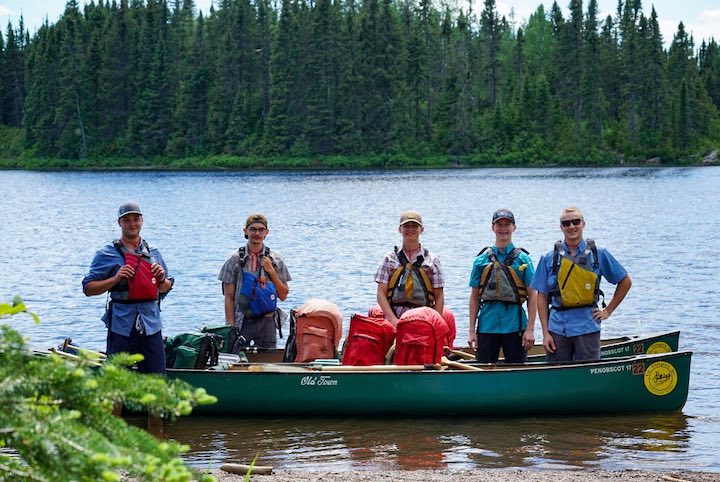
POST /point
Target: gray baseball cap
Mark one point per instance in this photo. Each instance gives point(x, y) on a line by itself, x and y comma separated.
point(129, 208)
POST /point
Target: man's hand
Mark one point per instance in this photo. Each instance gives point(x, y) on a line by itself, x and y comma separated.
point(472, 341)
point(549, 343)
point(158, 272)
point(267, 265)
point(528, 339)
point(125, 272)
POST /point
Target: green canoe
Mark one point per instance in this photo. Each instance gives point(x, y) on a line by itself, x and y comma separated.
point(642, 383)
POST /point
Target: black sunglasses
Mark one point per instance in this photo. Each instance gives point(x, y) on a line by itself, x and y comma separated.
point(574, 222)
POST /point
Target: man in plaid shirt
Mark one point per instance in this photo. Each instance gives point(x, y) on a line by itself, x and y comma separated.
point(420, 284)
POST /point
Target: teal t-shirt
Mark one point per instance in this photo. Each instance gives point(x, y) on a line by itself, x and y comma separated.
point(497, 316)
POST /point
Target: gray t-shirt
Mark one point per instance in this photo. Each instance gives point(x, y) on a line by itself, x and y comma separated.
point(230, 274)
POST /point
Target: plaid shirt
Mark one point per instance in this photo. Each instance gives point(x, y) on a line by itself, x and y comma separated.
point(431, 265)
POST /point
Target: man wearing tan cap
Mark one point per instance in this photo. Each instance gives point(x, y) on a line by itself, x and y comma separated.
point(410, 276)
point(253, 278)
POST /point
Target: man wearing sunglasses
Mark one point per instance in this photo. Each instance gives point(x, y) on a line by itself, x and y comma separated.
point(567, 281)
point(253, 278)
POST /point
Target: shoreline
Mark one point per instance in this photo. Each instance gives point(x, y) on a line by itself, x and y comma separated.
point(475, 475)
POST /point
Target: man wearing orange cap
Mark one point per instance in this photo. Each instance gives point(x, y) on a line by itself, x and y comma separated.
point(253, 278)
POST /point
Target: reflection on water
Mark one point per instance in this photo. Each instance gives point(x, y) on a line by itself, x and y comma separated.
point(613, 443)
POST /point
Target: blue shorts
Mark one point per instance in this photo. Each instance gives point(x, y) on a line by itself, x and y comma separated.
point(152, 347)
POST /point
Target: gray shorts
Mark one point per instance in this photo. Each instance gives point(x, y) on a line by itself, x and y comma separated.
point(575, 348)
point(260, 331)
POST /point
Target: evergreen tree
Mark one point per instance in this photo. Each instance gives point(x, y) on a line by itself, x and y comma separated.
point(323, 61)
point(12, 78)
point(490, 40)
point(190, 118)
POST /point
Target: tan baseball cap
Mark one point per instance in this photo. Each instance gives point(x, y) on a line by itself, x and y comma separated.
point(410, 217)
point(256, 218)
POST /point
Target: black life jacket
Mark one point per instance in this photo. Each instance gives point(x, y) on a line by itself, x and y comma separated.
point(142, 286)
point(410, 285)
point(577, 282)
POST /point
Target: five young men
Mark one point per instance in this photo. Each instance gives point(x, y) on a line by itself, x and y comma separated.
point(564, 291)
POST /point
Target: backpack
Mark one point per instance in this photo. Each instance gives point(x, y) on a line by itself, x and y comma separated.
point(421, 335)
point(192, 350)
point(232, 341)
point(315, 331)
point(368, 340)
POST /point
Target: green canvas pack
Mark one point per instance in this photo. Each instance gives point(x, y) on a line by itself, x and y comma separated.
point(232, 341)
point(192, 350)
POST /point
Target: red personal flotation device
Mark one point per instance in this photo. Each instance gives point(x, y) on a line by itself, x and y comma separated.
point(142, 286)
point(421, 335)
point(368, 341)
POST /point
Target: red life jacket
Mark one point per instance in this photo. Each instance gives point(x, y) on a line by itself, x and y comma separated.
point(421, 335)
point(368, 341)
point(143, 286)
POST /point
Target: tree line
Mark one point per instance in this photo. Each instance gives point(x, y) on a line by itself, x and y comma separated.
point(151, 78)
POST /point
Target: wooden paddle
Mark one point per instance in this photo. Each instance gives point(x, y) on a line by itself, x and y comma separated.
point(70, 356)
point(271, 368)
point(462, 366)
point(461, 354)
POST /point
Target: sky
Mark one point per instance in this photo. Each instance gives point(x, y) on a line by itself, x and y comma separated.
point(699, 16)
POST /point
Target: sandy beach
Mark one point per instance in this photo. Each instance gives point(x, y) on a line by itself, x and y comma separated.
point(480, 475)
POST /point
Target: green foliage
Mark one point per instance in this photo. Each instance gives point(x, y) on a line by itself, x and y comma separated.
point(277, 84)
point(57, 419)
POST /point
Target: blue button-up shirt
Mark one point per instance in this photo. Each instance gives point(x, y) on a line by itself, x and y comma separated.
point(498, 316)
point(105, 264)
point(575, 321)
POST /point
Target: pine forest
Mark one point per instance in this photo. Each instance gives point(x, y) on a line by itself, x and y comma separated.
point(394, 80)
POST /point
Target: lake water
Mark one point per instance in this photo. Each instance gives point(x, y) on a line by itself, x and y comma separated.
point(333, 229)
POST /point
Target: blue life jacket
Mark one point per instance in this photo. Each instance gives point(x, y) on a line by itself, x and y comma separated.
point(258, 294)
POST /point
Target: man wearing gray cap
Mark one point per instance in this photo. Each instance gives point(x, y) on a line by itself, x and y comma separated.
point(135, 275)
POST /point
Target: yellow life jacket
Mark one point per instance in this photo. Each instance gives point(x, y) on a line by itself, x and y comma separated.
point(410, 285)
point(500, 281)
point(577, 284)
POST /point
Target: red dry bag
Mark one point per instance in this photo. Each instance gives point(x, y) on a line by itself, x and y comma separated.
point(368, 341)
point(421, 335)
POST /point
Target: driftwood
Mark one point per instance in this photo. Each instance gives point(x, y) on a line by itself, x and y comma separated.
point(243, 469)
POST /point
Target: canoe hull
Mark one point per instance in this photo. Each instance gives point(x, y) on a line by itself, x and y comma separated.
point(646, 383)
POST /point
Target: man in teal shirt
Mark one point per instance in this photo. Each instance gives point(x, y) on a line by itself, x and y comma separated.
point(499, 284)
